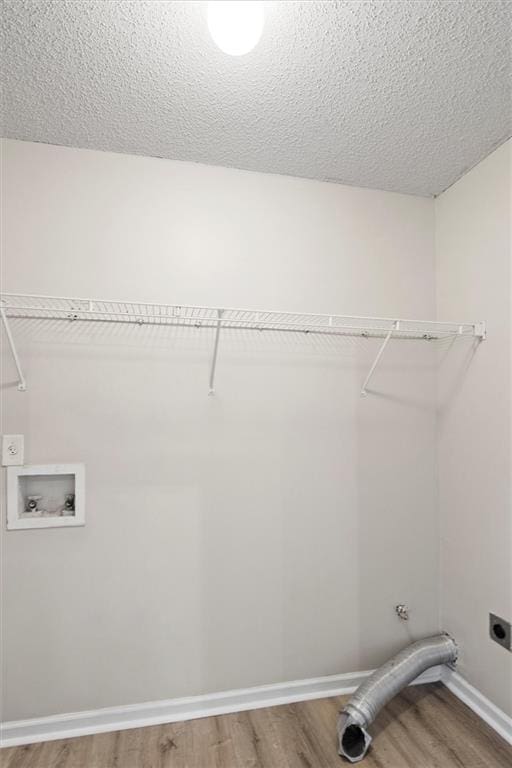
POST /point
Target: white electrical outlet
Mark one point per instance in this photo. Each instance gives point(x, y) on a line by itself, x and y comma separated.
point(12, 450)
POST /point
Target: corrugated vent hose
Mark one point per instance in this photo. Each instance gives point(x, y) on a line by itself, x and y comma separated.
point(365, 704)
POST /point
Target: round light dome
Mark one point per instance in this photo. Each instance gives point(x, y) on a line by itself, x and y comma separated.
point(236, 26)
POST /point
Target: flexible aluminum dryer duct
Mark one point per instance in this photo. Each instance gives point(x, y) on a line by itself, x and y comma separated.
point(383, 685)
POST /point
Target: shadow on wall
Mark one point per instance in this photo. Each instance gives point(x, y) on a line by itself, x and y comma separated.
point(277, 520)
point(398, 517)
point(458, 353)
point(397, 523)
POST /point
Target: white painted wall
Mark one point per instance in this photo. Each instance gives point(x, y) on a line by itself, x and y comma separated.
point(473, 246)
point(259, 536)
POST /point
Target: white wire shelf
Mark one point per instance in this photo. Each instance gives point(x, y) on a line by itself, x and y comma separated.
point(100, 310)
point(38, 307)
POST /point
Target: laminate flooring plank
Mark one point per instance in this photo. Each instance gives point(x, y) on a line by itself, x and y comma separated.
point(426, 726)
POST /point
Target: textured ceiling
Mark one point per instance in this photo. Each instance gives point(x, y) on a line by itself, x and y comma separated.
point(403, 96)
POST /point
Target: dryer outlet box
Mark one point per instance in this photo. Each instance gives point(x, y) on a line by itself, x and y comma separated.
point(500, 631)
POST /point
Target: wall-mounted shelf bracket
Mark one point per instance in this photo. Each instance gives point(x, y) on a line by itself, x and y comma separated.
point(21, 379)
point(480, 331)
point(395, 327)
point(213, 366)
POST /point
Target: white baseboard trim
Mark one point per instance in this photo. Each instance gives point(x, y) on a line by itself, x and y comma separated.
point(476, 701)
point(66, 726)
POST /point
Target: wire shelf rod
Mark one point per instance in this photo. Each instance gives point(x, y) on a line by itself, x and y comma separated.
point(75, 313)
point(327, 318)
point(404, 334)
point(42, 307)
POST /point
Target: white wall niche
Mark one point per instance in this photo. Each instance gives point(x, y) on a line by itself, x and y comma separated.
point(45, 496)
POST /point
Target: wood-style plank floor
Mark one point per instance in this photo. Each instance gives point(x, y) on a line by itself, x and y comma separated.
point(423, 727)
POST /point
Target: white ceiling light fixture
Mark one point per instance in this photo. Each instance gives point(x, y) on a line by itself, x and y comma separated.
point(235, 25)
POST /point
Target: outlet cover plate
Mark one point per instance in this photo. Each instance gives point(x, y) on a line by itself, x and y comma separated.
point(12, 450)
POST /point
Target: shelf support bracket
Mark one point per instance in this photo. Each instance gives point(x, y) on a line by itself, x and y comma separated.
point(364, 388)
point(213, 366)
point(22, 385)
point(480, 331)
